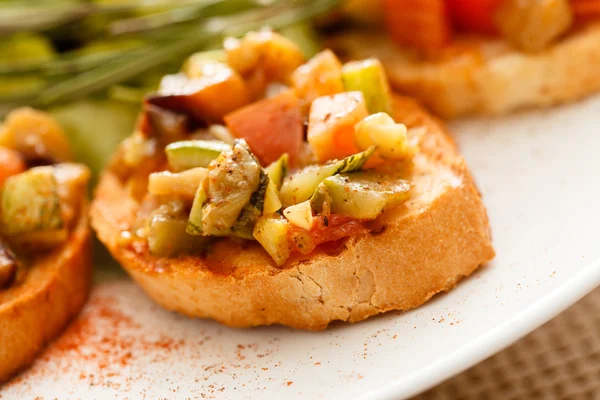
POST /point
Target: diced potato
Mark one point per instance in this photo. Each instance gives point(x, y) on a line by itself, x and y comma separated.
point(272, 199)
point(36, 135)
point(271, 127)
point(532, 25)
point(11, 163)
point(389, 137)
point(183, 184)
point(300, 215)
point(272, 233)
point(216, 91)
point(331, 125)
point(268, 51)
point(320, 76)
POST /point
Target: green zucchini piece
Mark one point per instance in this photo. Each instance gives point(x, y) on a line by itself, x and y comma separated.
point(278, 170)
point(30, 209)
point(253, 210)
point(190, 154)
point(194, 225)
point(233, 179)
point(167, 236)
point(300, 186)
point(272, 233)
point(360, 195)
point(368, 76)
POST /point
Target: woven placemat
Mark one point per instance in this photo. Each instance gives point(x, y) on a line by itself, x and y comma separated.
point(560, 360)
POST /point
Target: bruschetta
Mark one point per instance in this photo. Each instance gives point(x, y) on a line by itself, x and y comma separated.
point(45, 264)
point(260, 189)
point(462, 57)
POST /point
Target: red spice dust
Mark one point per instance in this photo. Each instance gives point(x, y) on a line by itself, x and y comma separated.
point(289, 383)
point(96, 338)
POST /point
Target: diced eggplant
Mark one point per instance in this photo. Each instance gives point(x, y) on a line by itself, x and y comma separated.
point(233, 178)
point(209, 97)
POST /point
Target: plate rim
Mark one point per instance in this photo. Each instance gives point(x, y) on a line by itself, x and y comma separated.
point(493, 341)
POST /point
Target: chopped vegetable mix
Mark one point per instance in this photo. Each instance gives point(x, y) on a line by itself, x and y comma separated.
point(40, 191)
point(285, 167)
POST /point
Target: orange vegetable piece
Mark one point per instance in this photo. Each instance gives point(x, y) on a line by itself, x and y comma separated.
point(208, 97)
point(424, 24)
point(331, 125)
point(271, 127)
point(11, 163)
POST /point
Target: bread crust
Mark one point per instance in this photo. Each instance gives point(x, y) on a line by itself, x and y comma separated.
point(478, 75)
point(55, 288)
point(415, 251)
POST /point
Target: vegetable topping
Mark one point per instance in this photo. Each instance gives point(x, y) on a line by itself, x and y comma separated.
point(39, 205)
point(293, 169)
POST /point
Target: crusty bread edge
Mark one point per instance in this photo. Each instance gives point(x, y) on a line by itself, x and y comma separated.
point(54, 291)
point(428, 252)
point(469, 85)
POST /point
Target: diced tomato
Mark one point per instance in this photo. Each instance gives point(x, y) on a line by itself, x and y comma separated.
point(585, 9)
point(424, 24)
point(11, 163)
point(475, 15)
point(271, 127)
point(331, 125)
point(326, 229)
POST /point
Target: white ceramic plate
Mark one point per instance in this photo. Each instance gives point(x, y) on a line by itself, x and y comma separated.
point(540, 176)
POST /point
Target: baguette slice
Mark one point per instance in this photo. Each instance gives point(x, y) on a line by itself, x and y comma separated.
point(417, 250)
point(478, 75)
point(35, 311)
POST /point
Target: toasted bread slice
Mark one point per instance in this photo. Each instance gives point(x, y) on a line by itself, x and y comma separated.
point(424, 247)
point(477, 75)
point(33, 312)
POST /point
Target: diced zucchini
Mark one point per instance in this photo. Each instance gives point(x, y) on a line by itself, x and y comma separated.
point(300, 186)
point(190, 154)
point(278, 170)
point(360, 195)
point(300, 215)
point(183, 183)
point(193, 67)
point(167, 236)
point(233, 179)
point(194, 226)
point(30, 209)
point(272, 199)
point(368, 76)
point(272, 233)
